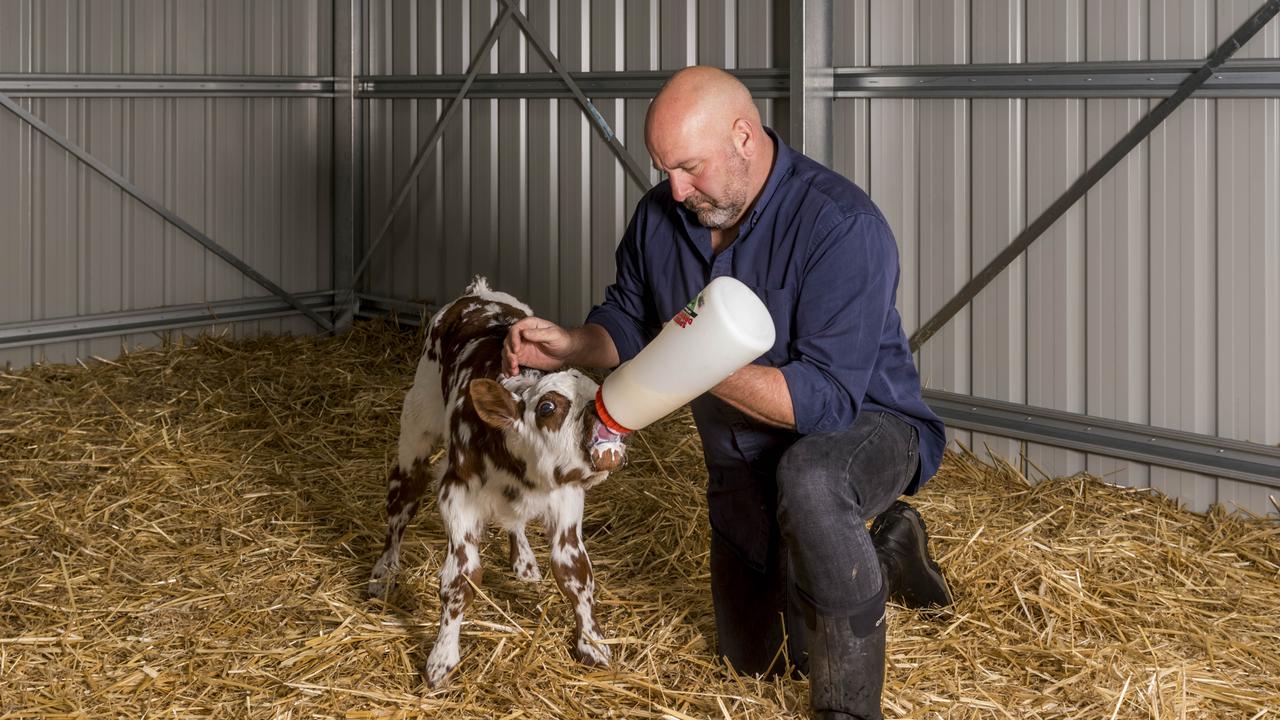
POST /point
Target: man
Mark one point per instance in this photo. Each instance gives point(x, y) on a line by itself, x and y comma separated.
point(823, 432)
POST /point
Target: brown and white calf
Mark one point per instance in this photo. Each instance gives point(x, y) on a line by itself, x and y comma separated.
point(517, 448)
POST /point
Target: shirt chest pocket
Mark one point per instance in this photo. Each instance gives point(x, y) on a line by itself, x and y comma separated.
point(781, 305)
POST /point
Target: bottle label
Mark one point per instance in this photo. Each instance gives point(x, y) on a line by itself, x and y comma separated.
point(685, 317)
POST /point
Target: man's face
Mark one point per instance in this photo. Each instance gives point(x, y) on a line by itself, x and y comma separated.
point(712, 182)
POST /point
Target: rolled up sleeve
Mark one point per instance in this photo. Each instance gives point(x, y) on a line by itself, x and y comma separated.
point(846, 297)
point(625, 314)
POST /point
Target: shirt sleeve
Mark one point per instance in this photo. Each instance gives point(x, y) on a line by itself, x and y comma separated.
point(846, 296)
point(624, 313)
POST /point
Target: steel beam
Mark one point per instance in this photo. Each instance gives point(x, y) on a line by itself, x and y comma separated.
point(1129, 79)
point(637, 84)
point(200, 86)
point(1219, 457)
point(407, 312)
point(85, 327)
point(159, 209)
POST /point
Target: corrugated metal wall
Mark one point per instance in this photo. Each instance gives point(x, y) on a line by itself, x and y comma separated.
point(252, 173)
point(525, 191)
point(1155, 300)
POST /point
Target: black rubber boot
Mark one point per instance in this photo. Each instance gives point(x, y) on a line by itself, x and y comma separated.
point(846, 672)
point(902, 545)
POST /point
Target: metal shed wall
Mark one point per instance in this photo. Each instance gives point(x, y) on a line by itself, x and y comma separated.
point(252, 173)
point(523, 190)
point(1155, 300)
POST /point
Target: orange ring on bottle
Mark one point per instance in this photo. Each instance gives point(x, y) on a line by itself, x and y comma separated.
point(605, 417)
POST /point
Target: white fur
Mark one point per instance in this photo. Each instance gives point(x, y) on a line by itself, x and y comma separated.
point(473, 503)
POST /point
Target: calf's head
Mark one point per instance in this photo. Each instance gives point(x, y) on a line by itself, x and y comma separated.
point(551, 420)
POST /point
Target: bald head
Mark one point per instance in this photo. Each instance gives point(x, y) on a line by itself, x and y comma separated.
point(703, 98)
point(704, 131)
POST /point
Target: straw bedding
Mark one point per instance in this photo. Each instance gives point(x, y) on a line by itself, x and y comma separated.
point(186, 532)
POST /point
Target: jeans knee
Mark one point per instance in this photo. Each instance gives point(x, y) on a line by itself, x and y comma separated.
point(808, 488)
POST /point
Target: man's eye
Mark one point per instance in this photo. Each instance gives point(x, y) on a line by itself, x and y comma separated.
point(545, 408)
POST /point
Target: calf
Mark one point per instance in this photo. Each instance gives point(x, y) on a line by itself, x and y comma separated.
point(516, 449)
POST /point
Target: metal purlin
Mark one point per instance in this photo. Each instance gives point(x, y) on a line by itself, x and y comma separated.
point(119, 180)
point(510, 10)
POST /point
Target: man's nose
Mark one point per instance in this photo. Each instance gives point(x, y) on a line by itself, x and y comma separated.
point(680, 189)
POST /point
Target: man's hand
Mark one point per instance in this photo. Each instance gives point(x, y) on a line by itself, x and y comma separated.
point(536, 343)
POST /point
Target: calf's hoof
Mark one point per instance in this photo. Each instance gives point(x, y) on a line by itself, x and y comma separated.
point(594, 654)
point(439, 666)
point(527, 571)
point(378, 588)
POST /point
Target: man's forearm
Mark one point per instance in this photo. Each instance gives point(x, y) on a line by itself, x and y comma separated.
point(592, 347)
point(760, 392)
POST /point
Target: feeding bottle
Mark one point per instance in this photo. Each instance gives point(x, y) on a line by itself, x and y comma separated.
point(722, 329)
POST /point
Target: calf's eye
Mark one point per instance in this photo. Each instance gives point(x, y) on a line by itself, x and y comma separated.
point(545, 408)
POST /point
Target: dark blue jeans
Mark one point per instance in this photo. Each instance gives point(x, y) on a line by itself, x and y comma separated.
point(810, 530)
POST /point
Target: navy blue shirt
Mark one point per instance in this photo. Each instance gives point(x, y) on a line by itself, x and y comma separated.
point(821, 256)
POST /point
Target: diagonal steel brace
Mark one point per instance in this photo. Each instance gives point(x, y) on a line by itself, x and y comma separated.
point(510, 10)
point(420, 162)
point(1096, 172)
point(637, 173)
point(119, 180)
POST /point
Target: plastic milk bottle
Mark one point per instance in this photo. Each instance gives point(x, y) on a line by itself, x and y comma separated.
point(722, 329)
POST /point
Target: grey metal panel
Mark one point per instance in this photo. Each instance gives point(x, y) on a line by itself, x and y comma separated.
point(894, 151)
point(1249, 270)
point(677, 34)
point(1055, 264)
point(513, 171)
point(944, 188)
point(576, 294)
point(543, 175)
point(850, 33)
point(1248, 264)
point(998, 177)
point(16, 273)
point(755, 30)
point(608, 205)
point(716, 43)
point(154, 36)
point(641, 53)
point(1116, 248)
point(754, 43)
point(1183, 371)
point(229, 166)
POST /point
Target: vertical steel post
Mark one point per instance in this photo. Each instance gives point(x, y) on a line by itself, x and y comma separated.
point(348, 139)
point(807, 50)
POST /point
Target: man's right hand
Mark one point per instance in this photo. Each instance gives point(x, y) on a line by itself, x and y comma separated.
point(536, 343)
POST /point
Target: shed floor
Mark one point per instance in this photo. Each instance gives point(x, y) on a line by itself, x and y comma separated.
point(186, 532)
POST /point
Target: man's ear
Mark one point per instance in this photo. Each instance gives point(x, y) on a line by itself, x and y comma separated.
point(744, 138)
point(493, 403)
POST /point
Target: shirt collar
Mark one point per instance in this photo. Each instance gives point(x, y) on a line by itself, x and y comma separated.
point(783, 163)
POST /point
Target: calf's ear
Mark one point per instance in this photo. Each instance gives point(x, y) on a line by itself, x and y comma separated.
point(493, 403)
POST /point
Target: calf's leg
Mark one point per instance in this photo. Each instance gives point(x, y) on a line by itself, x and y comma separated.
point(572, 569)
point(421, 428)
point(523, 563)
point(463, 525)
point(404, 497)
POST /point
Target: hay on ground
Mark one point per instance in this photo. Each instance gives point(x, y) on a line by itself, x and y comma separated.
point(186, 532)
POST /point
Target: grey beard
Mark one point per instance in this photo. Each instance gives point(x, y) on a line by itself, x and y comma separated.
point(717, 217)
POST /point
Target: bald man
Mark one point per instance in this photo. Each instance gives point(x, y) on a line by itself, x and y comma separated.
point(824, 432)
